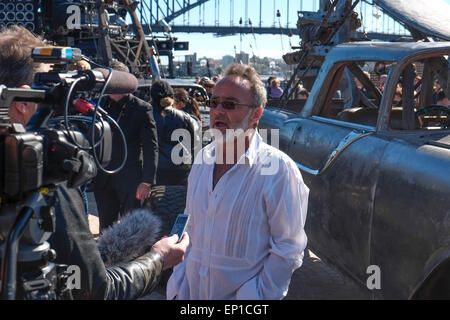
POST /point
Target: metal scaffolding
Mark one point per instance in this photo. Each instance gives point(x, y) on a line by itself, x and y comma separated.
point(252, 17)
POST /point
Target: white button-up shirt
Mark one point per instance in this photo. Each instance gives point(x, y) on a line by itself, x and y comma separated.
point(247, 234)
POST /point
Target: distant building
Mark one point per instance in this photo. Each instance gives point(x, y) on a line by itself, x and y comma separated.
point(191, 58)
point(227, 60)
point(242, 58)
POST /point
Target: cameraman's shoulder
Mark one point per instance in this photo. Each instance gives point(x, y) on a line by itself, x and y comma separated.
point(62, 191)
point(144, 105)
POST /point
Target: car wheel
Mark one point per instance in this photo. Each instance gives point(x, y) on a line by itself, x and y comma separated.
point(167, 202)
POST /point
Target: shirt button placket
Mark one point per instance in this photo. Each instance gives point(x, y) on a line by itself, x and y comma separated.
point(209, 232)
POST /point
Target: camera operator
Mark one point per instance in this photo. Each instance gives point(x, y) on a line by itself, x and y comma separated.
point(120, 193)
point(72, 240)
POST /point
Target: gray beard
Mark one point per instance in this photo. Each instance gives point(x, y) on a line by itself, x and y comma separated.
point(241, 126)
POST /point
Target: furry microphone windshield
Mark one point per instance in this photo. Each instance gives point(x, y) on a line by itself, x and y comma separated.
point(130, 238)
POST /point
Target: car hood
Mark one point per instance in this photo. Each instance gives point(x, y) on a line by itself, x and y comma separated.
point(429, 17)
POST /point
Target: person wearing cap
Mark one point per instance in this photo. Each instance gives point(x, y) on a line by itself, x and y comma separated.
point(122, 192)
point(168, 119)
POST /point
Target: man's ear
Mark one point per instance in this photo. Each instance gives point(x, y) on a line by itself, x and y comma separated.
point(21, 107)
point(256, 115)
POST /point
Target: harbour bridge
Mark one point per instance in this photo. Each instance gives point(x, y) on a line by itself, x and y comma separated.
point(103, 32)
point(231, 17)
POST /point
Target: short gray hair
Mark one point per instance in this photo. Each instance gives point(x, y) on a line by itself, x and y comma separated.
point(16, 65)
point(257, 87)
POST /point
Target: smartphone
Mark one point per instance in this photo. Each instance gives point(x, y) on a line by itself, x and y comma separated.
point(180, 225)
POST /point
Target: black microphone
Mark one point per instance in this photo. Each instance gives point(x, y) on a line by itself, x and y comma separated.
point(131, 238)
point(120, 82)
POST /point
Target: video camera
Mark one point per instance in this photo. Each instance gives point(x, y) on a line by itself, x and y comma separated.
point(67, 140)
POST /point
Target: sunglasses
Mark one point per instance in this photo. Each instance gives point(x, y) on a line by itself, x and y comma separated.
point(227, 105)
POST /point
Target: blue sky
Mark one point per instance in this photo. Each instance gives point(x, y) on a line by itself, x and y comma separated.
point(273, 46)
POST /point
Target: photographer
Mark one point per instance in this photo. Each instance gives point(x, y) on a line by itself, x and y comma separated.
point(72, 240)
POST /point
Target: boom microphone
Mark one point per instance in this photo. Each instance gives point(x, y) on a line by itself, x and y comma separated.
point(131, 238)
point(120, 82)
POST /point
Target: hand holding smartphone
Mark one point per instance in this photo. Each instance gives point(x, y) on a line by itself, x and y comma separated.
point(180, 225)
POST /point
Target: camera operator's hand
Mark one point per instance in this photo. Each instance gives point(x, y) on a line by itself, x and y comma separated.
point(143, 191)
point(172, 251)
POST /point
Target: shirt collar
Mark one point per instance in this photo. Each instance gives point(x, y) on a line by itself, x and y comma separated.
point(252, 152)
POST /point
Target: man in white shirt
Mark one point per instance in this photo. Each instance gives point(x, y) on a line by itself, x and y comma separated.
point(247, 204)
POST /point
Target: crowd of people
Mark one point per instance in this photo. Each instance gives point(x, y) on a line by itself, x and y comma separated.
point(438, 97)
point(237, 241)
point(274, 87)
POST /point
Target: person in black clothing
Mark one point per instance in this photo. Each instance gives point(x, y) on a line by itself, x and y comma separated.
point(168, 119)
point(122, 192)
point(72, 239)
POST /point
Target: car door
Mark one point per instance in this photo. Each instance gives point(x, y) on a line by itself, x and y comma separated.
point(341, 192)
point(339, 161)
point(411, 223)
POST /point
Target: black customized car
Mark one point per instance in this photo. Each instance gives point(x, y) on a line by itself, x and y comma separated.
point(378, 167)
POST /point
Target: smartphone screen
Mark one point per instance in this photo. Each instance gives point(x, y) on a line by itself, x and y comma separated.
point(180, 225)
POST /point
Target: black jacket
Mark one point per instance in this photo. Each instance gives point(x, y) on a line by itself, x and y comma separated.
point(74, 245)
point(167, 121)
point(138, 125)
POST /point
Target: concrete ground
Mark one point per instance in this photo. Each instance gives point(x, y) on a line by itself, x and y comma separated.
point(314, 280)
